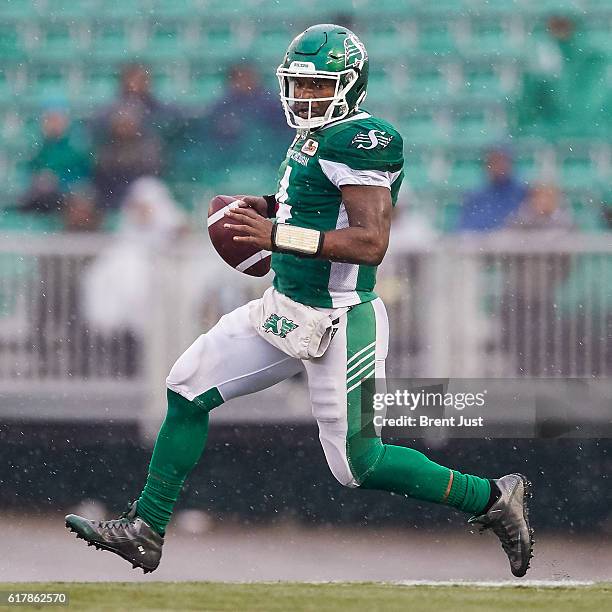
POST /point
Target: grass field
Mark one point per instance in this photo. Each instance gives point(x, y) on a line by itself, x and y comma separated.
point(295, 597)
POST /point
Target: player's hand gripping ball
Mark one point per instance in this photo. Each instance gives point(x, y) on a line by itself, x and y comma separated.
point(250, 253)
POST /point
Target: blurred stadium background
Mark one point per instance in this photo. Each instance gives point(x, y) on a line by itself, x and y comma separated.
point(82, 387)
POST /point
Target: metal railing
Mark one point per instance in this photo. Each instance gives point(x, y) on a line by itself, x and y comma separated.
point(502, 306)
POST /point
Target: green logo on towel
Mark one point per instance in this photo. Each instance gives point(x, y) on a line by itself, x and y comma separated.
point(279, 326)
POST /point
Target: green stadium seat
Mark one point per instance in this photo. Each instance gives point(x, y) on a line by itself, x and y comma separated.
point(598, 9)
point(69, 10)
point(218, 44)
point(578, 173)
point(16, 175)
point(465, 174)
point(15, 10)
point(537, 32)
point(448, 213)
point(221, 10)
point(98, 87)
point(11, 127)
point(165, 41)
point(339, 8)
point(59, 41)
point(112, 41)
point(422, 127)
point(380, 89)
point(416, 169)
point(367, 12)
point(443, 206)
point(599, 5)
point(527, 168)
point(599, 33)
point(170, 89)
point(443, 8)
point(206, 87)
point(193, 196)
point(7, 93)
point(270, 46)
point(171, 9)
point(384, 40)
point(489, 37)
point(46, 83)
point(12, 43)
point(437, 36)
point(244, 179)
point(587, 214)
point(477, 127)
point(13, 220)
point(24, 131)
point(426, 82)
point(481, 82)
point(113, 10)
point(267, 11)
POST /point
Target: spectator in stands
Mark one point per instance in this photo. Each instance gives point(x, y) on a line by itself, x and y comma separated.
point(543, 209)
point(128, 154)
point(135, 90)
point(565, 90)
point(118, 288)
point(81, 213)
point(169, 123)
point(488, 208)
point(59, 161)
point(245, 125)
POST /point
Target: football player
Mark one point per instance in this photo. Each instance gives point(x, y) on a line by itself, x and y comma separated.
point(328, 227)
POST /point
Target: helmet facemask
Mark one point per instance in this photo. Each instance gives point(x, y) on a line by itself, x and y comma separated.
point(338, 108)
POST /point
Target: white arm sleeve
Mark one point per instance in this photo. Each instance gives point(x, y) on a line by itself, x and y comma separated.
point(341, 174)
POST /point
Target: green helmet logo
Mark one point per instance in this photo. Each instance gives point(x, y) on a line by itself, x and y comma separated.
point(336, 58)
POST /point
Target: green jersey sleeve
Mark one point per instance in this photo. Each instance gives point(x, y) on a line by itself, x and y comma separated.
point(370, 144)
point(364, 152)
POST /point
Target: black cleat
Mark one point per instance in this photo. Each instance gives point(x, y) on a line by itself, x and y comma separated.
point(128, 536)
point(508, 518)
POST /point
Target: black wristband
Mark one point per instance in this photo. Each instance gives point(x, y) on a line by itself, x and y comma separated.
point(320, 248)
point(271, 204)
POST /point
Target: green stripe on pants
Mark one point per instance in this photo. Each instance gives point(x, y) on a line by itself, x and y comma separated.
point(363, 451)
point(386, 467)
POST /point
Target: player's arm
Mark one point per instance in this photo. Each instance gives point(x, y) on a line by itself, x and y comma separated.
point(365, 241)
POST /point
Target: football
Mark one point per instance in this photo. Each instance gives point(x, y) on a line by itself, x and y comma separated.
point(245, 258)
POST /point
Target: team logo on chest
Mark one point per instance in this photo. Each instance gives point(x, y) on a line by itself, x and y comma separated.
point(279, 326)
point(310, 147)
point(371, 140)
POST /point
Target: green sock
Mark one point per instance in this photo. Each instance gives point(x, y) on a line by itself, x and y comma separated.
point(469, 493)
point(179, 445)
point(409, 472)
